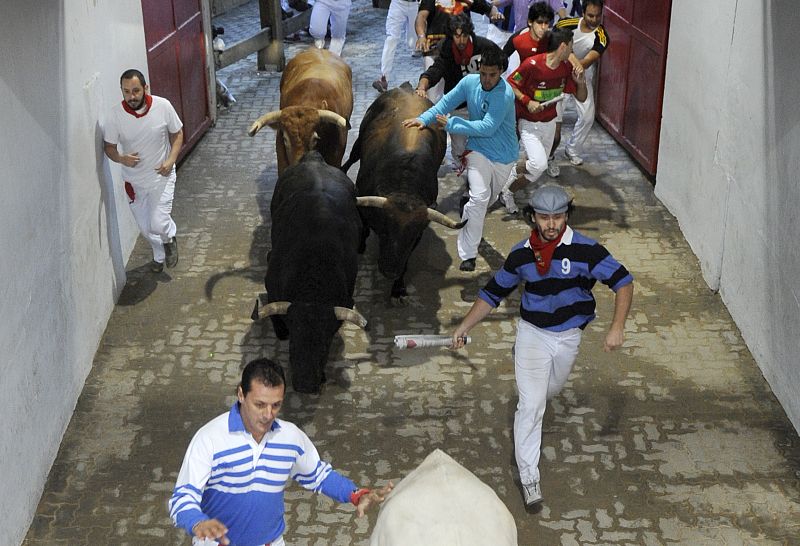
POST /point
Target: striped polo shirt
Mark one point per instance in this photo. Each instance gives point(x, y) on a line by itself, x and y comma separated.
point(227, 476)
point(562, 298)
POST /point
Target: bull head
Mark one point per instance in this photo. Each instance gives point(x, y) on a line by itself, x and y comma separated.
point(273, 119)
point(433, 215)
point(281, 307)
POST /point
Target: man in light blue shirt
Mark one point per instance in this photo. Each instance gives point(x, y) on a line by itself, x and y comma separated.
point(492, 147)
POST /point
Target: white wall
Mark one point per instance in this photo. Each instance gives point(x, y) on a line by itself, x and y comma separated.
point(63, 245)
point(728, 168)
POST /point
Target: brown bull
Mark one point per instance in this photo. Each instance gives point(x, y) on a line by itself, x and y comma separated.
point(316, 104)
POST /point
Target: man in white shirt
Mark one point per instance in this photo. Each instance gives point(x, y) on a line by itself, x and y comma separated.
point(144, 134)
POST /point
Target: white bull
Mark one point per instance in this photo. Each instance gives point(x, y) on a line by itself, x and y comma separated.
point(442, 503)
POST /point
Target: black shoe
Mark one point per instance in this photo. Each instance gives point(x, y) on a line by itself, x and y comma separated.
point(156, 267)
point(468, 265)
point(171, 251)
point(381, 85)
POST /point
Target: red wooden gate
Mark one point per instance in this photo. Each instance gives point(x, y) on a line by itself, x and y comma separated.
point(176, 58)
point(631, 82)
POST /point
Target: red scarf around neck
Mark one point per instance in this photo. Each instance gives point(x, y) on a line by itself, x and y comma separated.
point(148, 99)
point(543, 250)
point(463, 57)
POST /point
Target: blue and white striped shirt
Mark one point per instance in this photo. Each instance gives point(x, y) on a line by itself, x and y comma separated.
point(561, 298)
point(227, 476)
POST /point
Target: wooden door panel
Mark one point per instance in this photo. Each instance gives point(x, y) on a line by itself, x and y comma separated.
point(192, 76)
point(163, 63)
point(642, 102)
point(177, 61)
point(186, 10)
point(631, 81)
point(159, 21)
point(611, 106)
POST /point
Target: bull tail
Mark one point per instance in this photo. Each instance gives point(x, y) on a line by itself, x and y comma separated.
point(355, 155)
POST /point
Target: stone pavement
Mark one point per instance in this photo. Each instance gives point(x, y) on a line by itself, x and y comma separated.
point(675, 439)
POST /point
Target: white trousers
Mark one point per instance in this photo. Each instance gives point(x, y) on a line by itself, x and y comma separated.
point(152, 209)
point(437, 91)
point(585, 120)
point(399, 22)
point(485, 181)
point(542, 363)
point(338, 12)
point(537, 139)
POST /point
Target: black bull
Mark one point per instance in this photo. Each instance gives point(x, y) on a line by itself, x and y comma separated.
point(398, 180)
point(312, 266)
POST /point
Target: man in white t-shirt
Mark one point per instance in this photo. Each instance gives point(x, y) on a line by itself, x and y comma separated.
point(144, 134)
point(590, 41)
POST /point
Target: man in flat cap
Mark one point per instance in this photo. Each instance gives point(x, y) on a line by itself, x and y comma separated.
point(558, 268)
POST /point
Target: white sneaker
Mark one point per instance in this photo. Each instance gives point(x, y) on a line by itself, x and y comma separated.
point(507, 198)
point(573, 158)
point(553, 170)
point(532, 493)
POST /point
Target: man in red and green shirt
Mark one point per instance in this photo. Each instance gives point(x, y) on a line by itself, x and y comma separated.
point(538, 84)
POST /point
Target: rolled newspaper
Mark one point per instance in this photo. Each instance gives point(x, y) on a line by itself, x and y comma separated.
point(416, 341)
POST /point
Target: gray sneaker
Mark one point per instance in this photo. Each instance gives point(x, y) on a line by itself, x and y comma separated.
point(574, 158)
point(156, 267)
point(532, 493)
point(507, 198)
point(553, 170)
point(171, 252)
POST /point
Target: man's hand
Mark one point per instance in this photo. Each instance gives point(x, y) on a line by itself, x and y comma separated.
point(577, 67)
point(421, 93)
point(614, 339)
point(579, 76)
point(442, 120)
point(373, 497)
point(130, 160)
point(165, 168)
point(211, 529)
point(413, 122)
point(534, 106)
point(495, 15)
point(423, 44)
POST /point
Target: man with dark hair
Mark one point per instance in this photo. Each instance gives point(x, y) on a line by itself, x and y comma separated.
point(528, 41)
point(459, 54)
point(431, 27)
point(590, 41)
point(536, 83)
point(230, 486)
point(149, 134)
point(558, 268)
point(491, 146)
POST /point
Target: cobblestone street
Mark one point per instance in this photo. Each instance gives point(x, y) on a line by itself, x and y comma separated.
point(674, 439)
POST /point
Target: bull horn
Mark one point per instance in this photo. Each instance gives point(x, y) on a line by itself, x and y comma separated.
point(350, 315)
point(274, 308)
point(371, 201)
point(332, 117)
point(266, 119)
point(439, 218)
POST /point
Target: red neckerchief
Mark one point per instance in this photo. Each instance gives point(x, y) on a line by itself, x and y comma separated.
point(543, 250)
point(462, 57)
point(148, 99)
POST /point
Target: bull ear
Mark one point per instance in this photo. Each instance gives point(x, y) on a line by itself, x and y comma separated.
point(350, 315)
point(371, 201)
point(439, 218)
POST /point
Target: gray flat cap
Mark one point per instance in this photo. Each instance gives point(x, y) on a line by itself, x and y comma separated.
point(550, 199)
